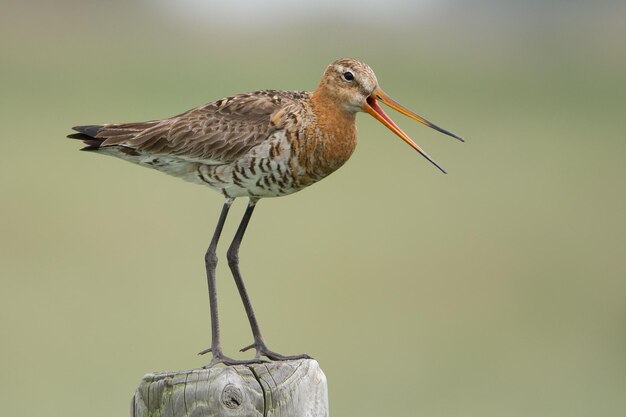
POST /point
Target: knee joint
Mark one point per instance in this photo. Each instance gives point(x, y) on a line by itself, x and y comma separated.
point(232, 256)
point(210, 258)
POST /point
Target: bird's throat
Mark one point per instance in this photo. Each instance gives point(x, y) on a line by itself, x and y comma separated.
point(333, 136)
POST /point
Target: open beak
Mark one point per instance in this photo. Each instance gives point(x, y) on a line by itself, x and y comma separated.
point(377, 112)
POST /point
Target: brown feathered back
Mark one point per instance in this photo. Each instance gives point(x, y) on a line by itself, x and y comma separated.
point(218, 132)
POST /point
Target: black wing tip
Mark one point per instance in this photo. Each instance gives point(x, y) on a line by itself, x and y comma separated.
point(88, 135)
point(89, 130)
point(89, 140)
point(90, 148)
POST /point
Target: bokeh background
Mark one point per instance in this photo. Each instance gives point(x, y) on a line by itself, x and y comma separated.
point(497, 290)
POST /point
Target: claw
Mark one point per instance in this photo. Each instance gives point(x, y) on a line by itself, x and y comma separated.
point(278, 357)
point(262, 350)
point(219, 357)
point(247, 348)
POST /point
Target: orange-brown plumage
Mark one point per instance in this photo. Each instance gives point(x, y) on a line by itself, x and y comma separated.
point(340, 125)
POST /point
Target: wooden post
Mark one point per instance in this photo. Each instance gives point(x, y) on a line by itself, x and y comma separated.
point(288, 389)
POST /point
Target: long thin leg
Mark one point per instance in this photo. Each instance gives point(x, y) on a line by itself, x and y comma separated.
point(233, 263)
point(210, 261)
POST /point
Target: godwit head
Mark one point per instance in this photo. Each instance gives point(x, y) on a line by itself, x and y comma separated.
point(353, 86)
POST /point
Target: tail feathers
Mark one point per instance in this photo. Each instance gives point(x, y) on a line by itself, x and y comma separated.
point(88, 135)
point(89, 130)
point(95, 136)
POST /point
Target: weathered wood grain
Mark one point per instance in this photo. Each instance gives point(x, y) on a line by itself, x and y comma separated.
point(285, 389)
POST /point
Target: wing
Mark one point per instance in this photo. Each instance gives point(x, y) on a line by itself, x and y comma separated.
point(215, 133)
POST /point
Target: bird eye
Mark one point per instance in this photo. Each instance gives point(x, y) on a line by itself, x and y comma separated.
point(348, 76)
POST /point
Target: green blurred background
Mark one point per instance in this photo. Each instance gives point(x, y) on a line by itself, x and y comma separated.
point(497, 290)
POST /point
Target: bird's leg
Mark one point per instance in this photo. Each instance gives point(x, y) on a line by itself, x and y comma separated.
point(210, 261)
point(233, 262)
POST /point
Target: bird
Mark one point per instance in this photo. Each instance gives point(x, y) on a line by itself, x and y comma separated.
point(266, 143)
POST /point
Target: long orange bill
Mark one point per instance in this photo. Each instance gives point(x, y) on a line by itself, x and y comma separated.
point(377, 112)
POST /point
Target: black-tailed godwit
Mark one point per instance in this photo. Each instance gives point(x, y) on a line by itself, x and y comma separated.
point(262, 144)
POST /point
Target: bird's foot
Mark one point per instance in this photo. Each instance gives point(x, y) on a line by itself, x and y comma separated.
point(262, 350)
point(219, 357)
